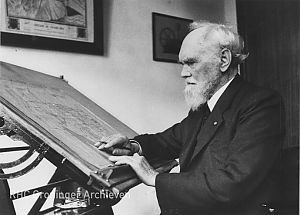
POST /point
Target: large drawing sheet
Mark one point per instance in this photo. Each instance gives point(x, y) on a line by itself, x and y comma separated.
point(60, 113)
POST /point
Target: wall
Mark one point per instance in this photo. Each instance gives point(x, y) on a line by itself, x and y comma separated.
point(144, 94)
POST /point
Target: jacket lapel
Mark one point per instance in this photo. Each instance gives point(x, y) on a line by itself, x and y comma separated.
point(215, 120)
point(192, 138)
point(208, 131)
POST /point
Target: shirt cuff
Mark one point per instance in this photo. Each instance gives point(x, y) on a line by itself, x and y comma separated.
point(140, 152)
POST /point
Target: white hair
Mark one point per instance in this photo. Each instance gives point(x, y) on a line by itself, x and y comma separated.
point(225, 37)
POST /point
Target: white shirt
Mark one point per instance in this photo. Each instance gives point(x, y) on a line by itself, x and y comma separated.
point(214, 99)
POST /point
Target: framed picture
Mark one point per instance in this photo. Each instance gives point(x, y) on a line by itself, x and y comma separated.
point(71, 26)
point(168, 33)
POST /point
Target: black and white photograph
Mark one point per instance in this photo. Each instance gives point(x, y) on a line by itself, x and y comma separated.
point(149, 107)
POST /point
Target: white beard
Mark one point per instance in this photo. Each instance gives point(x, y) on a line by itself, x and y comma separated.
point(196, 95)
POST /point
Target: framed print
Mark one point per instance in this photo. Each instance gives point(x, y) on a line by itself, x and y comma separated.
point(168, 33)
point(70, 25)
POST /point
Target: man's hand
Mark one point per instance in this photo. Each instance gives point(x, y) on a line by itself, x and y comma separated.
point(118, 144)
point(140, 165)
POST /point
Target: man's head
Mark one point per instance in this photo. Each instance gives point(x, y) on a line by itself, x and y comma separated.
point(209, 54)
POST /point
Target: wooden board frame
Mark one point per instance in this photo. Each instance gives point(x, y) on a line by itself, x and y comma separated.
point(107, 176)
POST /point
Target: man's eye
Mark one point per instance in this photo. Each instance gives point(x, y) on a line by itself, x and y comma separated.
point(190, 62)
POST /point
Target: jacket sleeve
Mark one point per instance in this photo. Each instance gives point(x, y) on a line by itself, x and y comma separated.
point(166, 144)
point(252, 153)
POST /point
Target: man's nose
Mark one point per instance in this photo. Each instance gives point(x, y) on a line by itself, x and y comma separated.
point(185, 72)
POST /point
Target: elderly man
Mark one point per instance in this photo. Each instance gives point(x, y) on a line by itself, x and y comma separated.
point(227, 146)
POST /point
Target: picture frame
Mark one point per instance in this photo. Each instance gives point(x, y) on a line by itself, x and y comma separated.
point(80, 32)
point(168, 34)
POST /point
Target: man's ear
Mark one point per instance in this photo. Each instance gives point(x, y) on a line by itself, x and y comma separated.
point(226, 58)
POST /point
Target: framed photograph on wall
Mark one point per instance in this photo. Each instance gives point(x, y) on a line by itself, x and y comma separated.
point(71, 26)
point(168, 33)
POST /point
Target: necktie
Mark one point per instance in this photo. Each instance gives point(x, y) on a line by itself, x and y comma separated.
point(205, 114)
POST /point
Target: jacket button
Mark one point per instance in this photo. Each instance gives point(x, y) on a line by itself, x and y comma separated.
point(215, 122)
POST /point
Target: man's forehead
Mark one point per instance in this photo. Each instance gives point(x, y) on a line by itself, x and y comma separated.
point(195, 43)
point(196, 36)
point(186, 53)
point(192, 44)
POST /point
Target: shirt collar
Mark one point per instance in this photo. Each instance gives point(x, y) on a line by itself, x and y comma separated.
point(214, 99)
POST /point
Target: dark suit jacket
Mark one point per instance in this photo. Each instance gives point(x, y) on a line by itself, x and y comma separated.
point(232, 169)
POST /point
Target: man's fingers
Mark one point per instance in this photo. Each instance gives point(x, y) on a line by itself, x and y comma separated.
point(119, 160)
point(132, 161)
point(116, 158)
point(112, 142)
point(107, 138)
point(140, 165)
point(117, 139)
point(100, 145)
point(136, 155)
point(121, 152)
point(97, 144)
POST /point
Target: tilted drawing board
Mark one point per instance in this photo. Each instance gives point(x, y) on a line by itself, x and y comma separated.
point(61, 124)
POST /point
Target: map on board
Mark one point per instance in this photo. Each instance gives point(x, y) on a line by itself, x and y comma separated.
point(76, 127)
point(41, 108)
